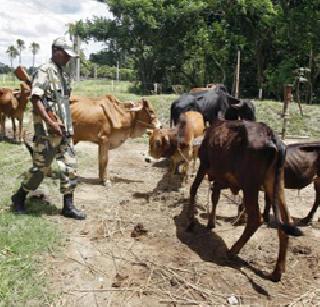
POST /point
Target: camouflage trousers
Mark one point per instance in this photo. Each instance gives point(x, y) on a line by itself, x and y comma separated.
point(45, 149)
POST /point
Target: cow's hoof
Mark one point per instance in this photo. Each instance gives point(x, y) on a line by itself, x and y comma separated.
point(232, 254)
point(305, 222)
point(275, 276)
point(106, 183)
point(266, 218)
point(190, 227)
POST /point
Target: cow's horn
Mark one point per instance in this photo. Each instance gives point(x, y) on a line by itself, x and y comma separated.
point(237, 105)
point(135, 109)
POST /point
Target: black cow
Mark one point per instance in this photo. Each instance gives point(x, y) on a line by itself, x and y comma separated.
point(211, 104)
point(245, 109)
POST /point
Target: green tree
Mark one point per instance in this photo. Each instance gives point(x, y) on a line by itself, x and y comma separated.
point(195, 42)
point(20, 47)
point(34, 47)
point(12, 53)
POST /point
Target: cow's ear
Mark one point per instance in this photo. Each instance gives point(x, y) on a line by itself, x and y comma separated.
point(145, 103)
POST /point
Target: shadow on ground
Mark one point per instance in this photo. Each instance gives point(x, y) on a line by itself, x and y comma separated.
point(211, 248)
point(40, 206)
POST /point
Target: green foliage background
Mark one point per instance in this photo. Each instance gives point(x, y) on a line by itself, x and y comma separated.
point(194, 42)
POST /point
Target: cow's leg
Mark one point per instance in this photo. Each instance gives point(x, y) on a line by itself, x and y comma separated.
point(103, 159)
point(1, 130)
point(3, 125)
point(14, 128)
point(189, 157)
point(308, 219)
point(214, 198)
point(250, 199)
point(285, 219)
point(284, 240)
point(267, 207)
point(193, 192)
point(20, 129)
point(172, 167)
point(194, 156)
point(186, 172)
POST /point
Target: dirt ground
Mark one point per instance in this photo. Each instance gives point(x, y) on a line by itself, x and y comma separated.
point(133, 249)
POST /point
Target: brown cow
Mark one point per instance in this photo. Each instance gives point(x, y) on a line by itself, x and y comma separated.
point(210, 86)
point(180, 144)
point(107, 123)
point(301, 168)
point(199, 89)
point(162, 142)
point(231, 148)
point(13, 104)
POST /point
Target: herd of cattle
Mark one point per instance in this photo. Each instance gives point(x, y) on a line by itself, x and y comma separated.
point(234, 150)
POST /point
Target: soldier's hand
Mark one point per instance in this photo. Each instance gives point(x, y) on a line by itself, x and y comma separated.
point(56, 128)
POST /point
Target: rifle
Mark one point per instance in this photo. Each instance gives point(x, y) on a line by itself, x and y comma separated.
point(61, 109)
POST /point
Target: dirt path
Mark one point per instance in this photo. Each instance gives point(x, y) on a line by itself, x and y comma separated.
point(103, 264)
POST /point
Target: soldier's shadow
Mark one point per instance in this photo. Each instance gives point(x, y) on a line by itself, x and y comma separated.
point(39, 207)
point(211, 248)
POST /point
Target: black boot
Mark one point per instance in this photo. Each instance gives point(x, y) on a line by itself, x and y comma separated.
point(69, 209)
point(18, 200)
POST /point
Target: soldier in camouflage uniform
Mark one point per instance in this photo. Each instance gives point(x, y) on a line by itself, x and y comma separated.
point(52, 130)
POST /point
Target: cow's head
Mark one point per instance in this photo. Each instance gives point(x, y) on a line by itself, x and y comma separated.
point(159, 143)
point(24, 94)
point(145, 118)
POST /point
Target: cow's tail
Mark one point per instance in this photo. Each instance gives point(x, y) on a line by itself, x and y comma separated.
point(28, 146)
point(171, 115)
point(290, 230)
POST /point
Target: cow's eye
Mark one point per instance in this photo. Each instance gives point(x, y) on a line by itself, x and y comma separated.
point(158, 143)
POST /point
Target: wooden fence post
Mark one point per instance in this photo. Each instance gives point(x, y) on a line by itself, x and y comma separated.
point(285, 111)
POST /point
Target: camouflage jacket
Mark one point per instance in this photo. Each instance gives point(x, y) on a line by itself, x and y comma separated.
point(52, 85)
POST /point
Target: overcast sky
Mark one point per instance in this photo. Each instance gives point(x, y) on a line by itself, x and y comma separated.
point(41, 21)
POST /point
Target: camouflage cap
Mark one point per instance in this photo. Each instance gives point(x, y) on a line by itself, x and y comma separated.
point(61, 42)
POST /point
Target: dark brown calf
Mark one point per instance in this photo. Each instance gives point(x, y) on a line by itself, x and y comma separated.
point(301, 168)
point(229, 150)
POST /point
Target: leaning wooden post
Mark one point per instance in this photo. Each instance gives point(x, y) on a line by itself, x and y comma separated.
point(237, 76)
point(285, 111)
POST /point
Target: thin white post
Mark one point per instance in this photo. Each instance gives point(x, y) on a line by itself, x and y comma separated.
point(237, 76)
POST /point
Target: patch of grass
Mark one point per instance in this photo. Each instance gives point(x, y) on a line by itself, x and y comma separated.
point(97, 88)
point(23, 237)
point(9, 81)
point(306, 125)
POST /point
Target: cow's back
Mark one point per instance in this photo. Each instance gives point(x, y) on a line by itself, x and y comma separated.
point(238, 151)
point(190, 127)
point(88, 120)
point(6, 95)
point(212, 104)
